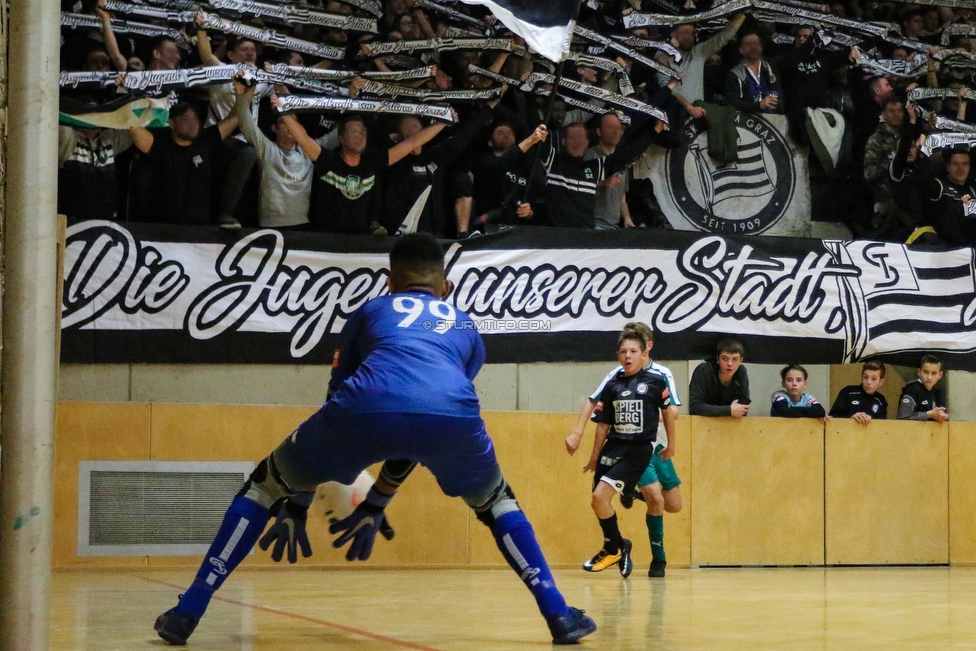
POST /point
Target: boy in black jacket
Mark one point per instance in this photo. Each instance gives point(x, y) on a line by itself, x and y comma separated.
point(720, 386)
point(863, 403)
point(920, 400)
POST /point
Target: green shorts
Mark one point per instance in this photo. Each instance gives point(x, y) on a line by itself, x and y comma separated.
point(659, 470)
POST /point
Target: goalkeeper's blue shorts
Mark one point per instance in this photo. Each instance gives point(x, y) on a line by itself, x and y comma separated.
point(335, 445)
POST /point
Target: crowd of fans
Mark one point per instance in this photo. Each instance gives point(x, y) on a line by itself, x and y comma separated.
point(230, 158)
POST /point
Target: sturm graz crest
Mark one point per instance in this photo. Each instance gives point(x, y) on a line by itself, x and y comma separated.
point(747, 196)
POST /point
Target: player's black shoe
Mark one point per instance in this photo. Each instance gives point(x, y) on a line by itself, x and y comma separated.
point(626, 563)
point(627, 499)
point(175, 627)
point(570, 628)
point(657, 569)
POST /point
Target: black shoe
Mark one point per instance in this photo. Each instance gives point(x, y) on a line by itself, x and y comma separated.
point(626, 563)
point(627, 499)
point(571, 628)
point(175, 627)
point(657, 569)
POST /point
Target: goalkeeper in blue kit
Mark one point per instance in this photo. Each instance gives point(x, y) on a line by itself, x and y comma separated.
point(401, 392)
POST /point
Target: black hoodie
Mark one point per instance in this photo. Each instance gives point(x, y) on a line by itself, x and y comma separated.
point(709, 397)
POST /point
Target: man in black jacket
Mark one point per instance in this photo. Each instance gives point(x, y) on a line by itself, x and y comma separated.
point(571, 182)
point(720, 386)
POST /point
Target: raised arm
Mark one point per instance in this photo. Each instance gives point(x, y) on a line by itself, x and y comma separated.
point(111, 44)
point(539, 135)
point(311, 148)
point(228, 125)
point(400, 151)
point(203, 42)
point(142, 138)
point(720, 40)
point(245, 119)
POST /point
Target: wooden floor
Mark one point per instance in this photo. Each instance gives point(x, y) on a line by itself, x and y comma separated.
point(466, 610)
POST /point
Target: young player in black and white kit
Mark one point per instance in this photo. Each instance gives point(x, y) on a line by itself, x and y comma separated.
point(863, 403)
point(659, 486)
point(921, 399)
point(627, 420)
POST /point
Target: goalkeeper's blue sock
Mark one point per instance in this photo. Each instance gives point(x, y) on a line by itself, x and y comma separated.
point(516, 540)
point(243, 524)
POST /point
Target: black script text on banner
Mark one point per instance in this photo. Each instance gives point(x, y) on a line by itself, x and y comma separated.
point(151, 294)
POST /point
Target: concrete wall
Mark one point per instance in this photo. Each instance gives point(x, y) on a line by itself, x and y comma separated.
point(501, 387)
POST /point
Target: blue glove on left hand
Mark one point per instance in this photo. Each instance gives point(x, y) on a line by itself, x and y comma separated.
point(288, 531)
point(361, 526)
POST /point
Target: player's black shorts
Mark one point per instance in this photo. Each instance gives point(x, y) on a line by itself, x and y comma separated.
point(621, 464)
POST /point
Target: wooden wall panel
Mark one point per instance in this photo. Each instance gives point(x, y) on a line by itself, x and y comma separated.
point(758, 491)
point(92, 431)
point(758, 494)
point(962, 493)
point(887, 491)
point(221, 432)
point(549, 485)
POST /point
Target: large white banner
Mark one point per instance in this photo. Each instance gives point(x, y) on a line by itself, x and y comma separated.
point(147, 294)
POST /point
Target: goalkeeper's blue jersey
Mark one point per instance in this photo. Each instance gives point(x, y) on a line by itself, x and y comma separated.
point(408, 353)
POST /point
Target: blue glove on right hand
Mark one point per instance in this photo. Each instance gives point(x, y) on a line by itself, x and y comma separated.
point(361, 526)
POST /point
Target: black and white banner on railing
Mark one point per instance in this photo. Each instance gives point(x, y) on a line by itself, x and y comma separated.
point(272, 38)
point(894, 67)
point(599, 63)
point(371, 87)
point(447, 11)
point(633, 41)
point(494, 76)
point(100, 78)
point(838, 39)
point(300, 103)
point(369, 6)
point(820, 17)
point(936, 141)
point(85, 21)
point(953, 59)
point(642, 19)
point(299, 14)
point(939, 93)
point(323, 74)
point(160, 81)
point(960, 4)
point(617, 46)
point(384, 48)
point(182, 5)
point(958, 30)
point(156, 13)
point(946, 124)
point(595, 92)
point(149, 294)
point(765, 191)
